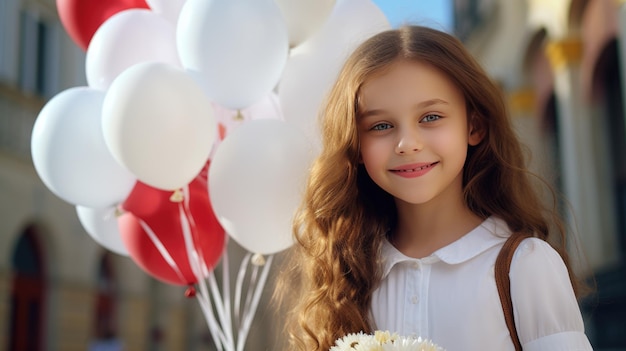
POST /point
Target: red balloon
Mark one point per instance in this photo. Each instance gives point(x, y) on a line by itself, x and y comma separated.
point(81, 18)
point(154, 208)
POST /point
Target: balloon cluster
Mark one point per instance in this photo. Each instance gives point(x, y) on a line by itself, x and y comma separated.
point(197, 123)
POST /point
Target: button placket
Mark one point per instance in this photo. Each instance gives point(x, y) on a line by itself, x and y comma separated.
point(414, 298)
point(416, 266)
point(422, 295)
point(412, 311)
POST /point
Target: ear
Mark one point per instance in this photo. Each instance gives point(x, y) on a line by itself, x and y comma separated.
point(476, 131)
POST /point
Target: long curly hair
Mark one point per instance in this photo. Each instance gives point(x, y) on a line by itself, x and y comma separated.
point(345, 217)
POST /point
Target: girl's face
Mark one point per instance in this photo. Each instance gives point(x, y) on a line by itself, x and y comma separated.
point(414, 132)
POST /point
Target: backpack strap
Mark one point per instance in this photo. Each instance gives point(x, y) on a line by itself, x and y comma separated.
point(501, 271)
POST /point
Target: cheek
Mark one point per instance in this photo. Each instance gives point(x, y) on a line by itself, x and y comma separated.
point(368, 154)
point(372, 156)
point(453, 144)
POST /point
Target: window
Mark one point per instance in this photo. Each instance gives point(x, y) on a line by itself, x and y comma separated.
point(105, 299)
point(27, 294)
point(37, 55)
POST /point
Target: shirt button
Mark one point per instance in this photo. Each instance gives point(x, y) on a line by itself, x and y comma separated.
point(415, 299)
point(416, 265)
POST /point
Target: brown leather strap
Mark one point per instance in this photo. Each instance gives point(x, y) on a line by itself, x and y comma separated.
point(501, 270)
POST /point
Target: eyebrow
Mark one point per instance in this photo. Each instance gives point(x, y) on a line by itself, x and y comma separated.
point(421, 105)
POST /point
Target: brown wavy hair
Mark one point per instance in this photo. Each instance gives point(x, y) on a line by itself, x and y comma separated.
point(344, 217)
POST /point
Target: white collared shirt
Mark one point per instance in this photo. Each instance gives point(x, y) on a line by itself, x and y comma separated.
point(451, 297)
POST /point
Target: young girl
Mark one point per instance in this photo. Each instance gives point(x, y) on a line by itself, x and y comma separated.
point(420, 182)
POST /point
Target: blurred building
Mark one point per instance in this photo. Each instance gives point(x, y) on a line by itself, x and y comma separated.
point(561, 64)
point(59, 289)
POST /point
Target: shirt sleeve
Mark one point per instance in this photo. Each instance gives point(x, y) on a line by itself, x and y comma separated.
point(547, 315)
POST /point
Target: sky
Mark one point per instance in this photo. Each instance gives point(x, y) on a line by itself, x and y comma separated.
point(432, 13)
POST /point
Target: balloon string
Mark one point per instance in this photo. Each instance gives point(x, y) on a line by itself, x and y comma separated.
point(226, 290)
point(223, 308)
point(239, 287)
point(217, 297)
point(223, 336)
point(209, 313)
point(253, 281)
point(194, 234)
point(162, 249)
point(249, 316)
point(198, 266)
point(192, 255)
point(216, 332)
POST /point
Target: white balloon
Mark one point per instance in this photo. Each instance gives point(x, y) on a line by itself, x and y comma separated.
point(101, 225)
point(159, 124)
point(127, 38)
point(313, 67)
point(168, 9)
point(304, 17)
point(69, 152)
point(256, 181)
point(239, 48)
point(228, 119)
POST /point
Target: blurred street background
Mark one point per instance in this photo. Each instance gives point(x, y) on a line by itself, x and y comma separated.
point(560, 63)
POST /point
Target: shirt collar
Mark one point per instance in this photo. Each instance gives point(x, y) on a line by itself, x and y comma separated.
point(490, 232)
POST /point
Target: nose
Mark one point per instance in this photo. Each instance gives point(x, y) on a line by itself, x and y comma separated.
point(409, 142)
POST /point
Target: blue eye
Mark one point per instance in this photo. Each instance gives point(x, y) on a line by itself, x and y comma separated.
point(381, 126)
point(430, 118)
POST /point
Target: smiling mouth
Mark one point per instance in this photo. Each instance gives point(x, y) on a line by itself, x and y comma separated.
point(415, 169)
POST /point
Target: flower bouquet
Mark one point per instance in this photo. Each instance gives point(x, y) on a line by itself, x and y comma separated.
point(383, 341)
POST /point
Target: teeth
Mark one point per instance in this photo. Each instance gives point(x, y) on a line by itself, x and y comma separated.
point(416, 169)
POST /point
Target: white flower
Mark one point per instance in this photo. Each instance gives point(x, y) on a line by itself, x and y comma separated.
point(349, 341)
point(385, 336)
point(383, 341)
